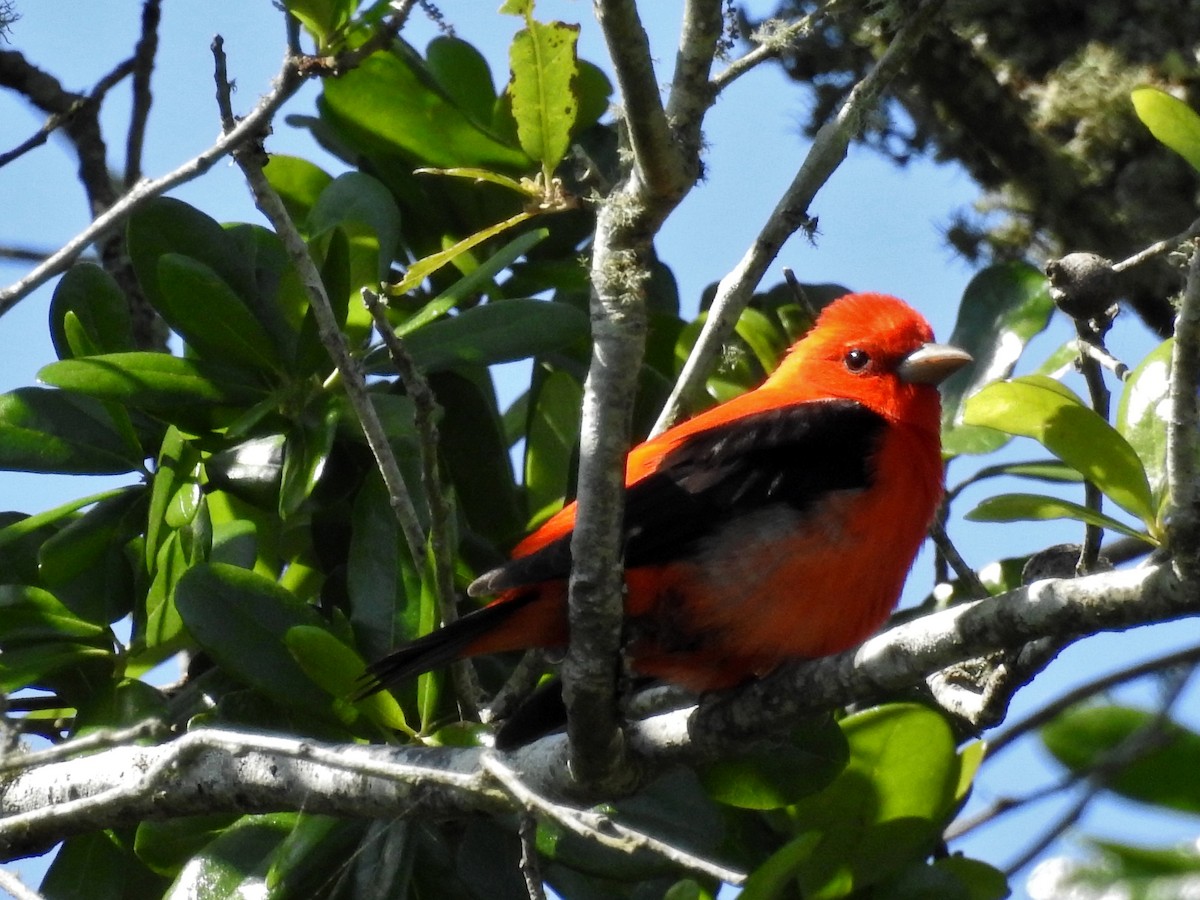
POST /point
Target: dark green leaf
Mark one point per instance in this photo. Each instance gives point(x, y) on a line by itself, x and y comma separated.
point(1002, 309)
point(155, 382)
point(298, 183)
point(391, 99)
point(30, 615)
point(166, 225)
point(100, 866)
point(1039, 508)
point(121, 704)
point(211, 317)
point(55, 431)
point(476, 455)
point(493, 333)
point(166, 846)
point(551, 443)
point(251, 470)
point(236, 862)
point(778, 776)
point(317, 846)
point(304, 457)
point(92, 549)
point(100, 309)
point(463, 74)
point(358, 199)
point(1164, 775)
point(240, 618)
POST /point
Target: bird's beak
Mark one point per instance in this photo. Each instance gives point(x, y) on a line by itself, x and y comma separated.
point(932, 364)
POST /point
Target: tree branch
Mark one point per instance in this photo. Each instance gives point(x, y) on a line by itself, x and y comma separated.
point(1181, 429)
point(790, 213)
point(209, 771)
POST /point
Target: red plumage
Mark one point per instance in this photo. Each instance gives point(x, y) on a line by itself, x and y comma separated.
point(778, 525)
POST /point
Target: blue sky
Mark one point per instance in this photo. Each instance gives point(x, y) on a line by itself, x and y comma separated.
point(880, 229)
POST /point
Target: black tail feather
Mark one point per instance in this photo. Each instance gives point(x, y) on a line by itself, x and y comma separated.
point(436, 649)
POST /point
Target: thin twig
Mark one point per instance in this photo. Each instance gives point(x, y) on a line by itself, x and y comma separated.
point(791, 212)
point(1092, 333)
point(248, 157)
point(249, 128)
point(1100, 354)
point(600, 828)
point(968, 576)
point(440, 512)
point(1002, 806)
point(773, 38)
point(1158, 249)
point(143, 67)
point(1135, 746)
point(531, 868)
point(11, 884)
point(1037, 719)
point(96, 740)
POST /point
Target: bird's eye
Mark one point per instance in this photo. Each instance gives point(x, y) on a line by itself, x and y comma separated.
point(857, 360)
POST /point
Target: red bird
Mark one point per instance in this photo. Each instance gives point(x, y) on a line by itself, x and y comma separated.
point(776, 526)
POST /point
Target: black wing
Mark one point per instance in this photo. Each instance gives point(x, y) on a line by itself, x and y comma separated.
point(793, 456)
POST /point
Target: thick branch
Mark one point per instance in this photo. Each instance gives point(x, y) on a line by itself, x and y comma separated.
point(207, 771)
point(656, 158)
point(1181, 430)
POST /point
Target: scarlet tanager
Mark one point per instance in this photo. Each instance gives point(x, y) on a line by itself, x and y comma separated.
point(778, 525)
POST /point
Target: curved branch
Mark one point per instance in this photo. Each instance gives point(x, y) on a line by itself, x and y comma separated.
point(213, 771)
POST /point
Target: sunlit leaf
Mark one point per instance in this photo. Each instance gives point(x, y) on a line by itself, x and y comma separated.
point(1039, 508)
point(1041, 408)
point(1170, 120)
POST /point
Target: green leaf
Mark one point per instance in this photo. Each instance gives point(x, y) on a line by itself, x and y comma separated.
point(322, 18)
point(236, 862)
point(544, 102)
point(25, 526)
point(551, 442)
point(166, 225)
point(207, 313)
point(100, 312)
point(1172, 121)
point(240, 618)
point(336, 668)
point(1039, 508)
point(251, 470)
point(391, 98)
point(356, 198)
point(298, 183)
point(99, 864)
point(493, 333)
point(167, 845)
point(31, 615)
point(885, 811)
point(1041, 408)
point(94, 545)
point(58, 432)
point(305, 454)
point(426, 266)
point(1164, 775)
point(155, 382)
point(778, 776)
point(1143, 412)
point(462, 72)
point(476, 455)
point(1002, 309)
